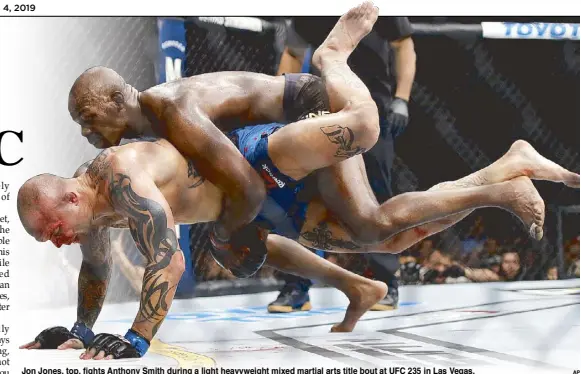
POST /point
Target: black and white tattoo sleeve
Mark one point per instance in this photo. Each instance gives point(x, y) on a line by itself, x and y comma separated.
point(158, 243)
point(94, 275)
point(96, 267)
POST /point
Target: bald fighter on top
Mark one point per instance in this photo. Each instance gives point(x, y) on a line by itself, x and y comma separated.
point(192, 113)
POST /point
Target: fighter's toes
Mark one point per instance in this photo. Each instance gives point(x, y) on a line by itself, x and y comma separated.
point(533, 165)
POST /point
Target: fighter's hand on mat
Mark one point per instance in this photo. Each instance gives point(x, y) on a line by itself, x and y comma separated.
point(397, 116)
point(56, 338)
point(243, 253)
point(109, 346)
point(72, 344)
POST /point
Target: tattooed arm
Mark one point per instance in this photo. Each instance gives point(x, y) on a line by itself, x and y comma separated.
point(135, 196)
point(94, 275)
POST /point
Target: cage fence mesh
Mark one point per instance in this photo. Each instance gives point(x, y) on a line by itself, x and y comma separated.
point(466, 110)
point(471, 99)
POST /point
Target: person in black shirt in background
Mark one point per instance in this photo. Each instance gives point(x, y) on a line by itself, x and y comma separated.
point(385, 58)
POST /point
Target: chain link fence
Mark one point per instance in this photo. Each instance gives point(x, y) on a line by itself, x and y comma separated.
point(471, 99)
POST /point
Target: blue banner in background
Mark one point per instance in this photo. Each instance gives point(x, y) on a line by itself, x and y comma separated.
point(172, 48)
point(171, 66)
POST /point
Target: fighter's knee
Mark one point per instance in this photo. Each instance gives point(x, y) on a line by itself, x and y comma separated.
point(367, 119)
point(367, 235)
point(370, 230)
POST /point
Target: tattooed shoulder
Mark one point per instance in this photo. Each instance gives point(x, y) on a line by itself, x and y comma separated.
point(98, 169)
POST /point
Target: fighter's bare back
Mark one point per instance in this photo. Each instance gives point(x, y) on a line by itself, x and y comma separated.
point(191, 198)
point(229, 99)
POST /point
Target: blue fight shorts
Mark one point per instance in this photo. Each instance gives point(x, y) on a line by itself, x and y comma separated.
point(282, 213)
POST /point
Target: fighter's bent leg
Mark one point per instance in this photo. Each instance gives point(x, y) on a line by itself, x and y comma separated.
point(343, 192)
point(323, 231)
point(411, 209)
point(354, 213)
point(304, 146)
point(290, 257)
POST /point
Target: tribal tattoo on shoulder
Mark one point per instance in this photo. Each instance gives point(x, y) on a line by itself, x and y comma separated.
point(94, 275)
point(322, 238)
point(344, 138)
point(157, 242)
point(196, 178)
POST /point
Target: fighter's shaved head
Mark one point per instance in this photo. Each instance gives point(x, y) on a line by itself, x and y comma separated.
point(37, 194)
point(102, 103)
point(94, 87)
point(54, 208)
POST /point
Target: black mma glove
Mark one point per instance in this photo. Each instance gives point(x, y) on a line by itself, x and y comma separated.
point(53, 337)
point(397, 116)
point(454, 271)
point(243, 253)
point(132, 345)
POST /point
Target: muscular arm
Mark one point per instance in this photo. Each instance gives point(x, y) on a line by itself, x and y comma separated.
point(94, 275)
point(151, 223)
point(218, 160)
point(405, 66)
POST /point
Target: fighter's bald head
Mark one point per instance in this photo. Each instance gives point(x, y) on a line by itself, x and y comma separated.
point(95, 86)
point(100, 101)
point(54, 208)
point(38, 194)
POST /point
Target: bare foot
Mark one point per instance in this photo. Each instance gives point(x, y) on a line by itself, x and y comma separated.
point(347, 33)
point(526, 203)
point(363, 297)
point(523, 160)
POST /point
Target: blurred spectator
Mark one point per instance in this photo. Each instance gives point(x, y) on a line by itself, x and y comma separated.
point(493, 263)
point(572, 252)
point(510, 270)
point(552, 273)
point(433, 269)
point(481, 253)
point(573, 271)
point(475, 238)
